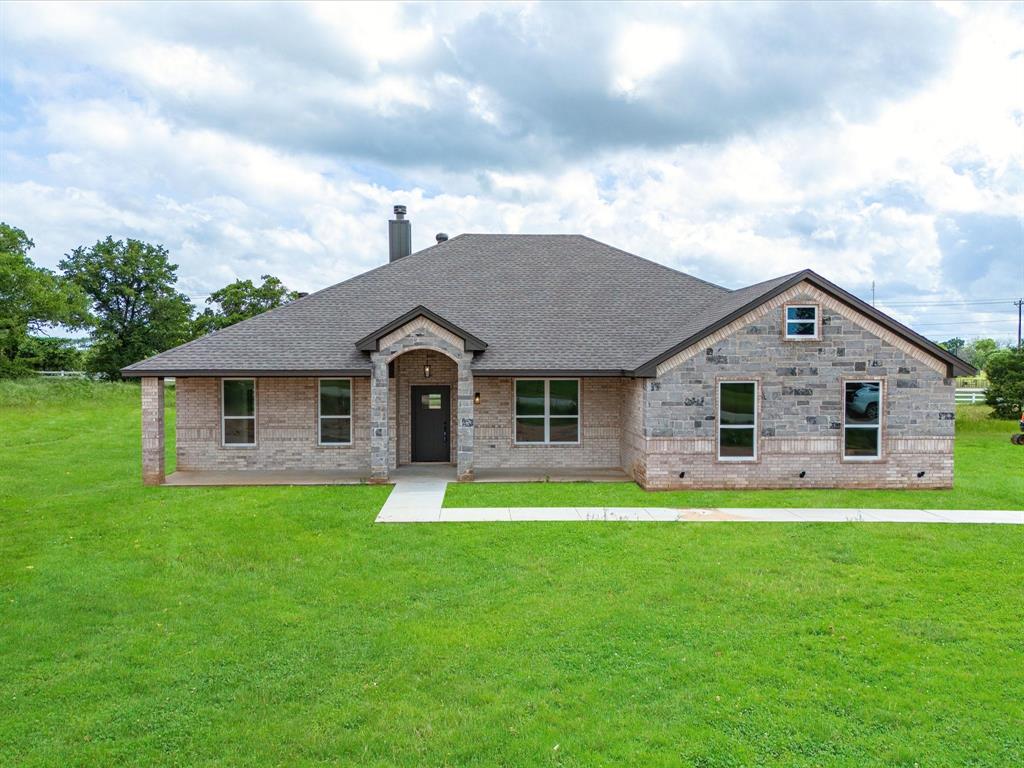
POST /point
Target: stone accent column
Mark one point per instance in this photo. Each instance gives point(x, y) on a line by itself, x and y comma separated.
point(464, 454)
point(379, 438)
point(152, 430)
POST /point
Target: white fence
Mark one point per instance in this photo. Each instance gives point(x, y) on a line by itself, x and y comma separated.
point(970, 395)
point(65, 374)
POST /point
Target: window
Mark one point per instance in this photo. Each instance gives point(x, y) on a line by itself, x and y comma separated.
point(802, 322)
point(862, 427)
point(547, 410)
point(238, 404)
point(431, 401)
point(737, 420)
point(335, 411)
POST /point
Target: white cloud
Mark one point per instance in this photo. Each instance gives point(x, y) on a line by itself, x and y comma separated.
point(247, 152)
point(642, 52)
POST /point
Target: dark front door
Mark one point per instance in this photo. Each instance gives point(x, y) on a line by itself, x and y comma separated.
point(431, 415)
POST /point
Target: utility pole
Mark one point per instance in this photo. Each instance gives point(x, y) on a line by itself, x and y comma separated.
point(1019, 303)
point(872, 293)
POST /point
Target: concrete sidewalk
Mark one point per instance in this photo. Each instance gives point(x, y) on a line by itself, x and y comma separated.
point(417, 498)
point(663, 514)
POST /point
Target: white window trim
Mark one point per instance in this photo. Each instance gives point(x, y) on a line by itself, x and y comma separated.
point(320, 418)
point(878, 427)
point(224, 417)
point(547, 412)
point(754, 426)
point(801, 337)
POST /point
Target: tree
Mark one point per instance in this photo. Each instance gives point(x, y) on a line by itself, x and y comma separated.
point(978, 351)
point(47, 353)
point(1005, 371)
point(953, 345)
point(240, 300)
point(31, 298)
point(138, 313)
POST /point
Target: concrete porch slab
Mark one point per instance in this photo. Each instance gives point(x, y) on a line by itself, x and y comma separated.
point(552, 475)
point(238, 477)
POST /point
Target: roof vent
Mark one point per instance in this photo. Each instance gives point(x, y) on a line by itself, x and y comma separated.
point(399, 235)
point(441, 237)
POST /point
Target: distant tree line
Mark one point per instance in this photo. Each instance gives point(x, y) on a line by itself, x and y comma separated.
point(123, 292)
point(975, 352)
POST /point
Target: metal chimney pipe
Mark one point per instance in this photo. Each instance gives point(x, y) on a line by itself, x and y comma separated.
point(441, 237)
point(399, 235)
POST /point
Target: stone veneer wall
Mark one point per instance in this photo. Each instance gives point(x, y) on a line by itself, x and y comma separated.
point(801, 404)
point(408, 373)
point(494, 447)
point(286, 428)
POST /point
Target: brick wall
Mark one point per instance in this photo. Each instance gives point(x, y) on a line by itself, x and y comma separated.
point(152, 430)
point(633, 448)
point(801, 403)
point(286, 427)
point(600, 401)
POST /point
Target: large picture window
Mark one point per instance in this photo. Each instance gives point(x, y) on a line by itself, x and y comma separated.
point(737, 420)
point(238, 411)
point(335, 411)
point(547, 410)
point(862, 425)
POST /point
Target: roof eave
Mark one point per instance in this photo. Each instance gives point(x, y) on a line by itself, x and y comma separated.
point(138, 373)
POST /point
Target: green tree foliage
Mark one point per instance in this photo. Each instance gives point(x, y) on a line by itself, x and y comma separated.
point(953, 345)
point(977, 352)
point(31, 298)
point(47, 353)
point(1005, 371)
point(138, 312)
point(240, 300)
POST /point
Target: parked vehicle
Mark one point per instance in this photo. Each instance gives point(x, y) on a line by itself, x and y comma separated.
point(1019, 439)
point(863, 401)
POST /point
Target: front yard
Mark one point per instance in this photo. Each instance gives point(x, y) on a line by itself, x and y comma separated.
point(280, 626)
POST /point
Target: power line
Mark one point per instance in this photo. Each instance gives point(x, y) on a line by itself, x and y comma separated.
point(955, 323)
point(943, 303)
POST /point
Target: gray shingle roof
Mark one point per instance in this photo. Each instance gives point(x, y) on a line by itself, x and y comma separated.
point(539, 302)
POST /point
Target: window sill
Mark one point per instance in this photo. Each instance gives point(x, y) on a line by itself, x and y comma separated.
point(548, 445)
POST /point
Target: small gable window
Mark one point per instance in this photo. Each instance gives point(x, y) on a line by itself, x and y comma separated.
point(802, 321)
point(335, 411)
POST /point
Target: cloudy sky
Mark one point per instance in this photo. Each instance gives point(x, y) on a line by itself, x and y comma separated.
point(870, 142)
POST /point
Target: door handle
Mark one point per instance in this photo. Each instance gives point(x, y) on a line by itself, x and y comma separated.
point(444, 434)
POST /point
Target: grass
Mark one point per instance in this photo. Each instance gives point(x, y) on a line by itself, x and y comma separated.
point(989, 474)
point(280, 626)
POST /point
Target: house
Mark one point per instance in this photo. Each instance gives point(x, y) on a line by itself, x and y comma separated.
point(552, 353)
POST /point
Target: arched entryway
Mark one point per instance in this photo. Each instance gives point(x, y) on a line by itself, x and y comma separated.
point(421, 400)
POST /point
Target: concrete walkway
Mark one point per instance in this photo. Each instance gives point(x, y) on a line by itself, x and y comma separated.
point(419, 493)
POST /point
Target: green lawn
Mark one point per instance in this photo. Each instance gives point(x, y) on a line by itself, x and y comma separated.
point(989, 475)
point(280, 626)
